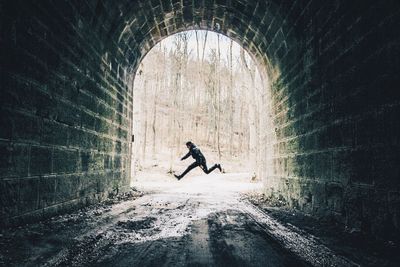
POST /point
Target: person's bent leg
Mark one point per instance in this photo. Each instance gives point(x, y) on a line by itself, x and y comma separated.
point(213, 168)
point(206, 170)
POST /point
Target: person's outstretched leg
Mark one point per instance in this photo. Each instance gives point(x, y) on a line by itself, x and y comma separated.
point(188, 169)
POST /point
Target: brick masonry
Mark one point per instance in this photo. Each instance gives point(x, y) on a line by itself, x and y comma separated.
point(332, 135)
point(66, 111)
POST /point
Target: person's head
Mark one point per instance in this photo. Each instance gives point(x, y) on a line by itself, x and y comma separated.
point(189, 144)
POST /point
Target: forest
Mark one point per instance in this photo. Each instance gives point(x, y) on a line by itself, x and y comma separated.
point(203, 87)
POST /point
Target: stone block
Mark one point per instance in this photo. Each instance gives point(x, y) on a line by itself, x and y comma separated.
point(9, 189)
point(25, 127)
point(65, 161)
point(361, 165)
point(96, 162)
point(67, 187)
point(47, 191)
point(28, 195)
point(88, 120)
point(341, 166)
point(6, 124)
point(334, 197)
point(41, 160)
point(323, 166)
point(14, 159)
point(53, 133)
point(88, 102)
point(85, 159)
point(67, 114)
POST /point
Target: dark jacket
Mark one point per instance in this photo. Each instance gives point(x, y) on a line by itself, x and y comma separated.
point(195, 153)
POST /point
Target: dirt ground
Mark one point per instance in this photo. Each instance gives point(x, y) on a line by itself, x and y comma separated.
point(201, 220)
point(355, 245)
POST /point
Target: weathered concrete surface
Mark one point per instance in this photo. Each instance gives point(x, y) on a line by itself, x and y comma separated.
point(199, 221)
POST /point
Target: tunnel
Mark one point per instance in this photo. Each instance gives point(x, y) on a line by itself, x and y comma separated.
point(333, 106)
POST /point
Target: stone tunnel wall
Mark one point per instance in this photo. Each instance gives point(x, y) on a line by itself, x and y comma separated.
point(65, 112)
point(336, 110)
point(332, 144)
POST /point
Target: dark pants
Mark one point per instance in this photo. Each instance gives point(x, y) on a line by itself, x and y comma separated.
point(202, 165)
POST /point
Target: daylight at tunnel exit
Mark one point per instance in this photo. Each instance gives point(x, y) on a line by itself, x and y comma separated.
point(199, 133)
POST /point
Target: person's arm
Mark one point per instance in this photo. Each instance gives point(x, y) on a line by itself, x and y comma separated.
point(186, 156)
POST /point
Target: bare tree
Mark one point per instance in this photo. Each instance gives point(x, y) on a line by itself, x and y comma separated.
point(211, 96)
point(231, 106)
point(145, 120)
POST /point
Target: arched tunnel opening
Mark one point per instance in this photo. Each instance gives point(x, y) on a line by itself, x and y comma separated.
point(201, 86)
point(332, 107)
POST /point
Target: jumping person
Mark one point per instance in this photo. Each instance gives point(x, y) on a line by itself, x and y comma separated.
point(200, 161)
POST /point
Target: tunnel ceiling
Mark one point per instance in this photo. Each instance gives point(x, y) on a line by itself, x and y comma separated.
point(259, 26)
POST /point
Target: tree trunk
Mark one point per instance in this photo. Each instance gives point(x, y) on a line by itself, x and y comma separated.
point(219, 100)
point(145, 122)
point(155, 114)
point(231, 106)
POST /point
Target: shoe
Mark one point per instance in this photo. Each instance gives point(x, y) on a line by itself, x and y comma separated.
point(219, 167)
point(178, 177)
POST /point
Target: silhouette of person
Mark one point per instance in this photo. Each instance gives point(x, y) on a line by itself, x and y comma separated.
point(200, 161)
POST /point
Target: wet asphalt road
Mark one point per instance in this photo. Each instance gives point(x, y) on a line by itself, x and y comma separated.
point(200, 221)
